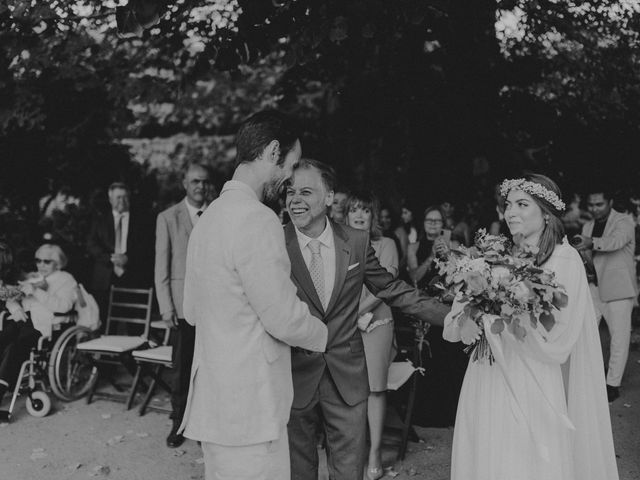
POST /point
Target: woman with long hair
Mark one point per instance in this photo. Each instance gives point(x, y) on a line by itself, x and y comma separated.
point(539, 411)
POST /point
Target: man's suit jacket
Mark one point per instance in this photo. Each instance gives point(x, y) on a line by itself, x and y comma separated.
point(239, 296)
point(613, 257)
point(101, 244)
point(173, 228)
point(356, 265)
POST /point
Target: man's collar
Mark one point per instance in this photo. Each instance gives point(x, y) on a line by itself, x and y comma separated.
point(118, 214)
point(194, 210)
point(241, 186)
point(325, 238)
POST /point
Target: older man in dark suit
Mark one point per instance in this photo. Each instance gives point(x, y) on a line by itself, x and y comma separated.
point(120, 244)
point(173, 228)
point(330, 263)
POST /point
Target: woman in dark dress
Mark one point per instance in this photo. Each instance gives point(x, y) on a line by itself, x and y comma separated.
point(445, 363)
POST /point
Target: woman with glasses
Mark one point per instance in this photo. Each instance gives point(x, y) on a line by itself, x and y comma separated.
point(433, 241)
point(444, 362)
point(50, 293)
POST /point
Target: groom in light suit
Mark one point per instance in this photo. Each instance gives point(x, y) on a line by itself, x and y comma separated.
point(173, 228)
point(239, 295)
point(330, 265)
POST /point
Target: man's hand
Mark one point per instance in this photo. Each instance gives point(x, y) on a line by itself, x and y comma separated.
point(171, 319)
point(580, 242)
point(119, 259)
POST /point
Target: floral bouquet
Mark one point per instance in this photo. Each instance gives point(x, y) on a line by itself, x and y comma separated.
point(9, 292)
point(499, 278)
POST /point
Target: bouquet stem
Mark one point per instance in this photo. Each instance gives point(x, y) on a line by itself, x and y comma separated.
point(480, 350)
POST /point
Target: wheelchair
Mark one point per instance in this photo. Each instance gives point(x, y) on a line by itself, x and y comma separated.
point(54, 366)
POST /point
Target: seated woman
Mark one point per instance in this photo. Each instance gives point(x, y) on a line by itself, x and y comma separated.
point(17, 334)
point(50, 293)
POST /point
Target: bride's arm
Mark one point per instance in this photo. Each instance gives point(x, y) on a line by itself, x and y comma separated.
point(451, 331)
point(556, 345)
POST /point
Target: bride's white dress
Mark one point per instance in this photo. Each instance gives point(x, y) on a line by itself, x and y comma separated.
point(540, 412)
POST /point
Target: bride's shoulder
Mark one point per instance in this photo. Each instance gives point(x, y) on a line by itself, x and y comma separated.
point(564, 251)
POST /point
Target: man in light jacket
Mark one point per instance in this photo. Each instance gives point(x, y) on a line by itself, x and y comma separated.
point(173, 227)
point(611, 238)
point(239, 295)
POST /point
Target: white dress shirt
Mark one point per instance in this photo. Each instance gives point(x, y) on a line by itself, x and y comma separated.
point(328, 254)
point(125, 229)
point(193, 211)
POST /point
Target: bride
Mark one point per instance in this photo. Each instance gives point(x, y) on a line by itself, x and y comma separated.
point(540, 411)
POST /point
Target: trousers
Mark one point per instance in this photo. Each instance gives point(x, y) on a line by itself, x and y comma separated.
point(261, 461)
point(617, 314)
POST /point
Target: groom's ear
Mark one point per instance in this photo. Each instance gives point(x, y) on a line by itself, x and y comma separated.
point(272, 152)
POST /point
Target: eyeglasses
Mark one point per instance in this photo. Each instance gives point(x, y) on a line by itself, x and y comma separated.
point(46, 261)
point(432, 221)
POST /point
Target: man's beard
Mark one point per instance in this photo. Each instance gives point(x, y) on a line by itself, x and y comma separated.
point(272, 191)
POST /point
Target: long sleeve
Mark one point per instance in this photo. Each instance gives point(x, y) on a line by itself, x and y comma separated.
point(264, 268)
point(556, 345)
point(60, 296)
point(397, 293)
point(623, 233)
point(388, 257)
point(162, 270)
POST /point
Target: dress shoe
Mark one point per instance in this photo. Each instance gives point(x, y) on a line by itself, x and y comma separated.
point(175, 439)
point(374, 473)
point(612, 393)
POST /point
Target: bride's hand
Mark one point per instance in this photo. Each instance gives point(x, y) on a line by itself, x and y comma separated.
point(469, 332)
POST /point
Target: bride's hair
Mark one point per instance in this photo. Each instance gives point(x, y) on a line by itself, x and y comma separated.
point(554, 228)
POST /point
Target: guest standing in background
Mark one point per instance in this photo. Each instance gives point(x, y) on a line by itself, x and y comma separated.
point(406, 215)
point(120, 245)
point(610, 237)
point(377, 331)
point(391, 228)
point(338, 210)
point(173, 228)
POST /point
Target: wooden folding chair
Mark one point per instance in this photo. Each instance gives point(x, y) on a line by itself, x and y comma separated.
point(129, 308)
point(152, 362)
point(408, 349)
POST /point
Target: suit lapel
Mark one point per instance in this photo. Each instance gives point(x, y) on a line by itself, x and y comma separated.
point(610, 223)
point(343, 254)
point(299, 267)
point(184, 219)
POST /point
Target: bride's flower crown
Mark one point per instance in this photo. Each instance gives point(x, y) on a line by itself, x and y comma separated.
point(532, 188)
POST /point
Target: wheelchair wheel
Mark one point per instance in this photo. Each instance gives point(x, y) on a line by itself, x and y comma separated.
point(71, 373)
point(38, 404)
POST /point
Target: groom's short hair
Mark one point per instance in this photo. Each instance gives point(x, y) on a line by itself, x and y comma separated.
point(260, 129)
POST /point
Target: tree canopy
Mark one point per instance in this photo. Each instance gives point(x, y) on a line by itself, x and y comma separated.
point(413, 98)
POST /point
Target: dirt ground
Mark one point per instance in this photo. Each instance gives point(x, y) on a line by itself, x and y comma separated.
point(102, 440)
